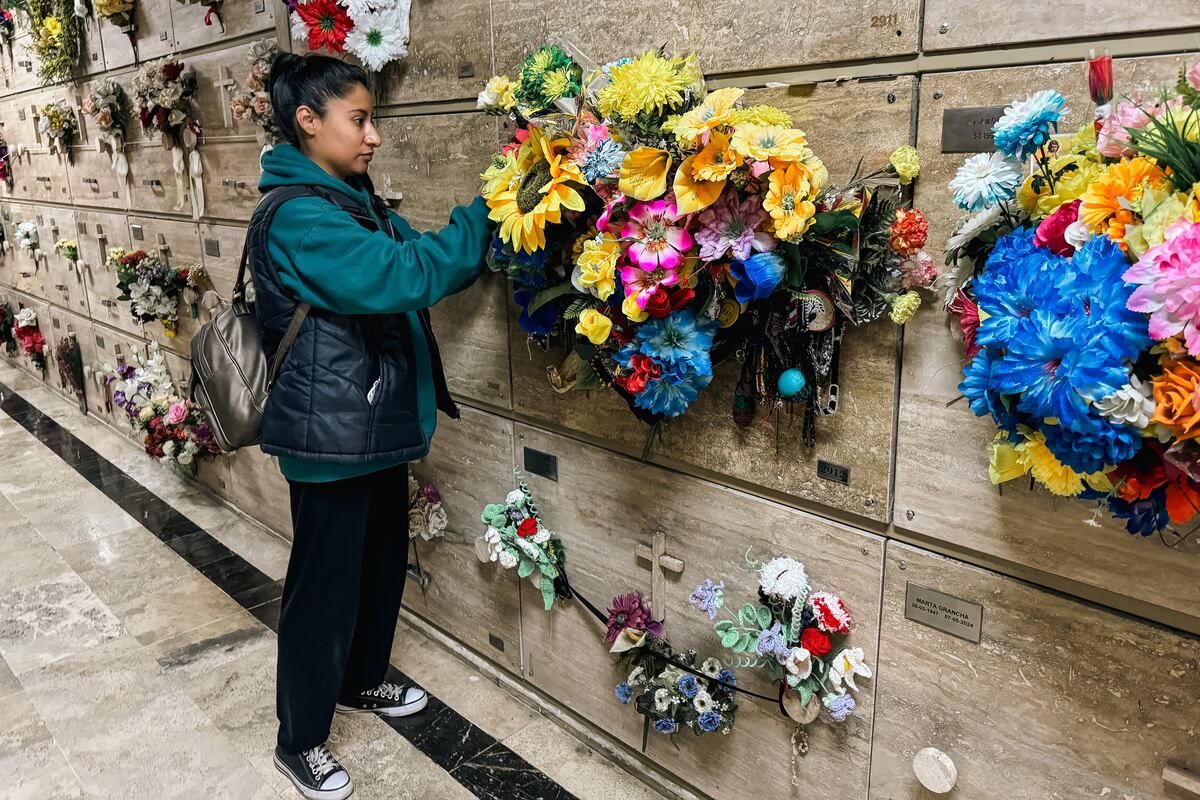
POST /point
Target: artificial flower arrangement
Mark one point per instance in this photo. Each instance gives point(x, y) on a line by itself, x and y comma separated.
point(1074, 291)
point(214, 10)
point(174, 428)
point(105, 105)
point(7, 321)
point(251, 101)
point(667, 688)
point(117, 12)
point(516, 538)
point(70, 368)
point(426, 516)
point(155, 288)
point(8, 27)
point(374, 31)
point(663, 228)
point(57, 33)
point(68, 249)
point(6, 173)
point(27, 236)
point(165, 98)
point(29, 338)
point(57, 123)
point(790, 633)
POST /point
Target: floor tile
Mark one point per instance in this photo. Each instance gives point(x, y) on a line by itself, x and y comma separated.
point(186, 604)
point(51, 620)
point(126, 565)
point(32, 765)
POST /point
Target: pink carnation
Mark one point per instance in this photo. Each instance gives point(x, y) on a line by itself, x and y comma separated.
point(177, 413)
point(1169, 290)
point(1052, 232)
point(918, 270)
point(831, 613)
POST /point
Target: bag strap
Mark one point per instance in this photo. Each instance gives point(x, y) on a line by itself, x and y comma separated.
point(285, 344)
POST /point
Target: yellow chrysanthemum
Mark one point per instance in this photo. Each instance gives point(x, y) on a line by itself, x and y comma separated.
point(644, 173)
point(775, 144)
point(1083, 143)
point(1035, 456)
point(905, 308)
point(1079, 172)
point(598, 266)
point(767, 116)
point(649, 83)
point(906, 162)
point(716, 160)
point(557, 83)
point(52, 26)
point(789, 200)
point(713, 113)
point(1102, 208)
point(538, 185)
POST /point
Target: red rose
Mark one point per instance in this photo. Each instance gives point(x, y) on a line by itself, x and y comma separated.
point(645, 369)
point(659, 304)
point(1051, 233)
point(815, 642)
point(172, 70)
point(680, 298)
point(527, 528)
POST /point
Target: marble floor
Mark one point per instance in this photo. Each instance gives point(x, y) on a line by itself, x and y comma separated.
point(137, 655)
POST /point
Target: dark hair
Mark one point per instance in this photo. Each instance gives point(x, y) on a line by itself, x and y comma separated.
point(308, 81)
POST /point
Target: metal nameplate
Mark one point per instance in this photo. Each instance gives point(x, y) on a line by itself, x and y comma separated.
point(947, 613)
point(833, 472)
point(137, 232)
point(540, 463)
point(212, 247)
point(100, 342)
point(496, 642)
point(969, 130)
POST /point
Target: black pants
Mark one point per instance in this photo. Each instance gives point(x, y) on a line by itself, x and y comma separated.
point(341, 597)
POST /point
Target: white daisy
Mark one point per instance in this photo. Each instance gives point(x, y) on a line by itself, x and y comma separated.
point(378, 37)
point(783, 578)
point(984, 180)
point(711, 667)
point(662, 700)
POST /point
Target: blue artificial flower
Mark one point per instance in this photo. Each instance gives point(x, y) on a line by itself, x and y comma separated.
point(1097, 292)
point(840, 706)
point(603, 161)
point(1142, 517)
point(527, 269)
point(1092, 444)
point(666, 726)
point(1018, 278)
point(1027, 124)
point(624, 693)
point(671, 396)
point(679, 338)
point(727, 677)
point(708, 597)
point(757, 276)
point(985, 180)
point(709, 721)
point(688, 686)
point(542, 320)
point(979, 389)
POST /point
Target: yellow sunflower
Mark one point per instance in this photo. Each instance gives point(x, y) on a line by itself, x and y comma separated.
point(770, 143)
point(789, 200)
point(649, 83)
point(713, 113)
point(536, 186)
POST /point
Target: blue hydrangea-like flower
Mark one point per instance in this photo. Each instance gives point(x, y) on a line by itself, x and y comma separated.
point(603, 161)
point(709, 721)
point(1093, 443)
point(757, 276)
point(1028, 124)
point(840, 706)
point(727, 677)
point(978, 387)
point(1097, 292)
point(540, 321)
point(679, 338)
point(667, 726)
point(624, 693)
point(688, 686)
point(671, 397)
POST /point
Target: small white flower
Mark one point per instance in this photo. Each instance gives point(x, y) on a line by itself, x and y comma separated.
point(514, 497)
point(973, 226)
point(169, 448)
point(26, 318)
point(1077, 234)
point(702, 701)
point(492, 535)
point(799, 663)
point(711, 667)
point(378, 37)
point(1132, 404)
point(508, 559)
point(783, 578)
point(845, 665)
point(662, 701)
point(984, 180)
point(542, 536)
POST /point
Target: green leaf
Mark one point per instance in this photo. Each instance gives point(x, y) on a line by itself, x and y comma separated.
point(723, 627)
point(546, 295)
point(729, 639)
point(525, 568)
point(748, 615)
point(832, 221)
point(764, 618)
point(548, 594)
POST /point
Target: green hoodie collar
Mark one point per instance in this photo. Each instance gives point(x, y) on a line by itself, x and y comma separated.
point(285, 165)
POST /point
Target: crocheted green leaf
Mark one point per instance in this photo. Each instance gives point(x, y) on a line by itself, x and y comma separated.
point(525, 568)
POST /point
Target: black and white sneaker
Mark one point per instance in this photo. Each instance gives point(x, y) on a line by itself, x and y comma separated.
point(315, 773)
point(389, 699)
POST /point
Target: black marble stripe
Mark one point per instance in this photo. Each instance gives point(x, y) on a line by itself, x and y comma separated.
point(474, 758)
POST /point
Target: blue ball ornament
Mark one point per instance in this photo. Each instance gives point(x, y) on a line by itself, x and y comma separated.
point(791, 383)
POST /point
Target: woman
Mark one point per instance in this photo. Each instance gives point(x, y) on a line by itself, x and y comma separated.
point(356, 399)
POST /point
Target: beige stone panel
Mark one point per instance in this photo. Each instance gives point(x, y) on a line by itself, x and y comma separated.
point(470, 462)
point(237, 18)
point(152, 35)
point(1059, 699)
point(942, 486)
point(98, 232)
point(176, 243)
point(449, 53)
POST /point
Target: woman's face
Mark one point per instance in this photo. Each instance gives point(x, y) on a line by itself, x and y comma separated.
point(344, 140)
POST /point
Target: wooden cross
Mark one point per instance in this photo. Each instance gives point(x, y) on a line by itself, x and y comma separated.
point(656, 554)
point(227, 84)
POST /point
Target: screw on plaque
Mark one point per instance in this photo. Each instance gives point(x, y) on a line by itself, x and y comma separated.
point(891, 97)
point(938, 95)
point(944, 28)
point(909, 514)
point(902, 564)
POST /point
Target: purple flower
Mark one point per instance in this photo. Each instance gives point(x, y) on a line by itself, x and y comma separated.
point(708, 598)
point(840, 706)
point(431, 494)
point(631, 611)
point(770, 642)
point(119, 398)
point(730, 225)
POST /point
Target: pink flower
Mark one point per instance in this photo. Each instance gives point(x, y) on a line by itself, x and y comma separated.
point(617, 202)
point(1169, 290)
point(1113, 140)
point(660, 240)
point(918, 270)
point(730, 225)
point(177, 413)
point(239, 108)
point(1193, 76)
point(262, 103)
point(1052, 232)
point(644, 285)
point(89, 105)
point(254, 82)
point(968, 322)
point(104, 119)
point(631, 611)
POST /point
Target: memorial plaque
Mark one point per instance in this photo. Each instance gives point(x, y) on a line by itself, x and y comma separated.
point(969, 130)
point(945, 612)
point(833, 472)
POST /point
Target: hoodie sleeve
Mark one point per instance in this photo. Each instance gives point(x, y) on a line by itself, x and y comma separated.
point(332, 262)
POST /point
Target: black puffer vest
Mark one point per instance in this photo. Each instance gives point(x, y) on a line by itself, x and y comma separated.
point(318, 409)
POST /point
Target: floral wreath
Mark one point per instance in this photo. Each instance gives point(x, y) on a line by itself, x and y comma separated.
point(56, 122)
point(174, 428)
point(1069, 290)
point(426, 516)
point(165, 94)
point(57, 39)
point(374, 31)
point(154, 288)
point(27, 237)
point(516, 539)
point(661, 228)
point(105, 105)
point(29, 338)
point(252, 101)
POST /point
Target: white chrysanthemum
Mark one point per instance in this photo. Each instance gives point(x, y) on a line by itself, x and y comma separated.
point(984, 180)
point(973, 226)
point(702, 701)
point(514, 497)
point(783, 578)
point(711, 667)
point(542, 536)
point(299, 31)
point(378, 37)
point(1132, 404)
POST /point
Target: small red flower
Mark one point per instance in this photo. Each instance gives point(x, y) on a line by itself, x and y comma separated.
point(815, 642)
point(909, 231)
point(527, 528)
point(645, 369)
point(327, 22)
point(831, 613)
point(172, 70)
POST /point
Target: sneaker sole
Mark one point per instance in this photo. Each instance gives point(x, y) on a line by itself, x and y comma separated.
point(313, 794)
point(393, 711)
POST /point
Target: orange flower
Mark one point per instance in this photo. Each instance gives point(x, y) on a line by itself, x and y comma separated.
point(1177, 398)
point(1102, 209)
point(1183, 501)
point(717, 160)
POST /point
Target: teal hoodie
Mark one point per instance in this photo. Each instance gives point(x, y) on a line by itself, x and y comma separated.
point(328, 260)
